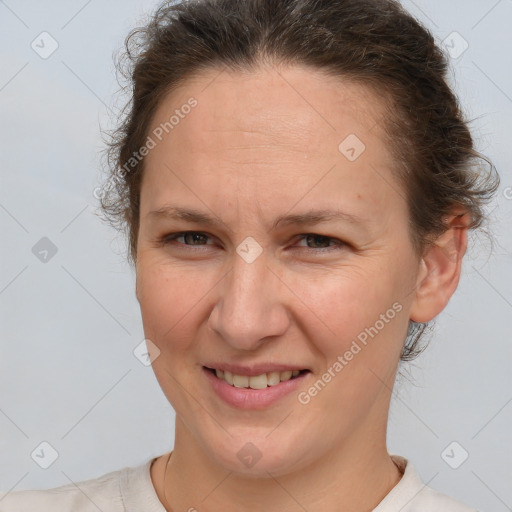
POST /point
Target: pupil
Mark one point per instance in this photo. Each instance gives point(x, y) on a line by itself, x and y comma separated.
point(319, 237)
point(195, 236)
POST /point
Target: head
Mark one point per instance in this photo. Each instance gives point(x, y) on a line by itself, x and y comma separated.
point(329, 180)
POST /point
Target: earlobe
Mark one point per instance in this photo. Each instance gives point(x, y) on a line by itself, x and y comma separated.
point(440, 270)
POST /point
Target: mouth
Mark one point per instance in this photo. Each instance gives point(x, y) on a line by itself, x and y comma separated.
point(256, 382)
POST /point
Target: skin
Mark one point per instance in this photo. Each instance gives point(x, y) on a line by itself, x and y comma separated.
point(257, 145)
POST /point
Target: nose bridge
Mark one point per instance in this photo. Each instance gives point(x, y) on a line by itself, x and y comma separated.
point(250, 307)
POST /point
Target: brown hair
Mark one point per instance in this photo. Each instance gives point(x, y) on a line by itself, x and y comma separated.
point(374, 42)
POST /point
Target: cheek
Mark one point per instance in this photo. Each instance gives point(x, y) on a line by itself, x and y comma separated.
point(344, 302)
point(169, 297)
point(360, 338)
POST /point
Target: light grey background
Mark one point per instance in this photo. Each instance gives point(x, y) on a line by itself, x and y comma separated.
point(69, 326)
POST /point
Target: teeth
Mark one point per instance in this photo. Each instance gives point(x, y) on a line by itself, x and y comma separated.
point(273, 378)
point(257, 381)
point(240, 381)
point(286, 375)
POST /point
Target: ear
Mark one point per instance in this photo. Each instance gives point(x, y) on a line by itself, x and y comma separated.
point(440, 269)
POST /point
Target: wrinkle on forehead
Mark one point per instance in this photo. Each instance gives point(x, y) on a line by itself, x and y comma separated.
point(272, 109)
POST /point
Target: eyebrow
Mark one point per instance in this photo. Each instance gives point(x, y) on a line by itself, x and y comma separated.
point(310, 217)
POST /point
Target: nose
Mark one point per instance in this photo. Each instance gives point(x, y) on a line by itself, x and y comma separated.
point(251, 306)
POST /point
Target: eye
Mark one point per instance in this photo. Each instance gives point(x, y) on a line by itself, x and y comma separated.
point(323, 241)
point(191, 238)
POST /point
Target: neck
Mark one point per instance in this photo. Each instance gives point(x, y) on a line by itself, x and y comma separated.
point(355, 476)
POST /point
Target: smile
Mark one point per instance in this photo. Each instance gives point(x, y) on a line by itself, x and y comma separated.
point(256, 387)
point(256, 381)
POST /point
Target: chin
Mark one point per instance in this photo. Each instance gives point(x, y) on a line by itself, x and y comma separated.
point(258, 454)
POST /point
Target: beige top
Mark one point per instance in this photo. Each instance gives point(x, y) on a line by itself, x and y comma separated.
point(131, 490)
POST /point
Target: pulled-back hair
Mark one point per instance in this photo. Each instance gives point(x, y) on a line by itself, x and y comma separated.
point(372, 42)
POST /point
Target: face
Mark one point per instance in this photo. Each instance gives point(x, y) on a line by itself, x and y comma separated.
point(267, 286)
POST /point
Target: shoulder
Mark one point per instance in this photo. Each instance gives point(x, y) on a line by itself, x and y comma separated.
point(102, 493)
point(429, 499)
point(412, 495)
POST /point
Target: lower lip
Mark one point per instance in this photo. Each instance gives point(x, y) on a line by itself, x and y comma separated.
point(247, 398)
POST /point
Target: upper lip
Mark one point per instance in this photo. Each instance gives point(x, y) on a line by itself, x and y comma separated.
point(253, 369)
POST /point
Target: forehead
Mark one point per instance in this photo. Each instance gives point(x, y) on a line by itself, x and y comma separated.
point(270, 132)
point(296, 107)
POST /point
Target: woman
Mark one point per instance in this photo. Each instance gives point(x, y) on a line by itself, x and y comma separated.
point(297, 182)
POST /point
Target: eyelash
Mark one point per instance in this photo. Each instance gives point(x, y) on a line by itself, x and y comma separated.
point(167, 239)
